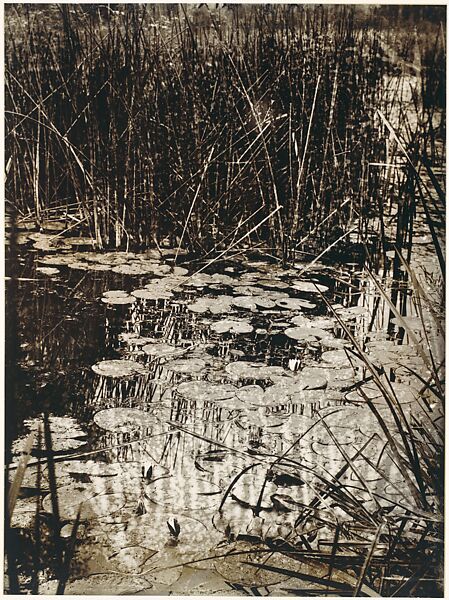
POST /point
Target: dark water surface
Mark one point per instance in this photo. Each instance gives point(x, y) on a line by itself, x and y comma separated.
point(212, 440)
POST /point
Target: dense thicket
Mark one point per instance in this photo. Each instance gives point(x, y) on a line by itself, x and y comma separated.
point(140, 121)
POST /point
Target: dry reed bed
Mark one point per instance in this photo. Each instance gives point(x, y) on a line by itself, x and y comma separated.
point(142, 126)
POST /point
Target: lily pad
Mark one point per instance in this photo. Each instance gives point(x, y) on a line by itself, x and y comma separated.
point(92, 505)
point(161, 349)
point(153, 293)
point(216, 306)
point(206, 391)
point(336, 358)
point(119, 300)
point(305, 333)
point(123, 420)
point(252, 394)
point(184, 494)
point(352, 312)
point(186, 365)
point(309, 286)
point(250, 370)
point(131, 269)
point(232, 326)
point(252, 302)
point(116, 294)
point(320, 322)
point(48, 270)
point(294, 303)
point(118, 368)
point(66, 434)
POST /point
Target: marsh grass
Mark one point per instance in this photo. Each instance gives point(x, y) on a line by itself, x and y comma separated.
point(141, 125)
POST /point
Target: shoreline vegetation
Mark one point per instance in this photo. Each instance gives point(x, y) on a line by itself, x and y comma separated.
point(197, 186)
point(138, 123)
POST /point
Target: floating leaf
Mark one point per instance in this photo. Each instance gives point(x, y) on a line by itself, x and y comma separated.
point(123, 420)
point(92, 505)
point(232, 326)
point(131, 269)
point(250, 370)
point(309, 286)
point(305, 333)
point(116, 294)
point(252, 302)
point(153, 293)
point(179, 494)
point(119, 300)
point(66, 433)
point(336, 358)
point(186, 365)
point(252, 394)
point(206, 391)
point(320, 322)
point(118, 368)
point(351, 312)
point(274, 283)
point(216, 306)
point(48, 270)
point(294, 303)
point(131, 559)
point(161, 350)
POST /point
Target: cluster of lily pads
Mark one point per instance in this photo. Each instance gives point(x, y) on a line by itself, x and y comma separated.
point(146, 512)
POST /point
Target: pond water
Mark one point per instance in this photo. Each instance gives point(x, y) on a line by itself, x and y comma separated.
point(192, 415)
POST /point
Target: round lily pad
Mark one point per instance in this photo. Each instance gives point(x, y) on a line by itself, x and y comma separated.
point(352, 312)
point(248, 370)
point(206, 391)
point(123, 420)
point(153, 293)
point(75, 496)
point(305, 333)
point(216, 306)
point(48, 270)
point(118, 368)
point(253, 302)
point(183, 495)
point(336, 358)
point(116, 294)
point(252, 394)
point(186, 365)
point(66, 434)
point(119, 300)
point(130, 269)
point(232, 326)
point(309, 286)
point(319, 322)
point(161, 349)
point(294, 303)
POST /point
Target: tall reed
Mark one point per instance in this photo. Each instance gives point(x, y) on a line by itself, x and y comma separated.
point(181, 122)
